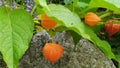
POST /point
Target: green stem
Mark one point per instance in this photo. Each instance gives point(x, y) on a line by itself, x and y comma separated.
point(105, 15)
point(83, 11)
point(117, 18)
point(33, 9)
point(116, 13)
point(53, 40)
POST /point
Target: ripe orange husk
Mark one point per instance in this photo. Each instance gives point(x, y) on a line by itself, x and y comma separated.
point(47, 22)
point(112, 29)
point(92, 19)
point(52, 52)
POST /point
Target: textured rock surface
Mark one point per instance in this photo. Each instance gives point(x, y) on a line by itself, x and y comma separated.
point(83, 55)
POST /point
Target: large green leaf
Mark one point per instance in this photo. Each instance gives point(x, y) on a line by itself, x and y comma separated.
point(16, 29)
point(114, 2)
point(73, 22)
point(109, 4)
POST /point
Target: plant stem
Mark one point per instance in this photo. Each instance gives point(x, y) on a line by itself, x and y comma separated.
point(33, 9)
point(116, 13)
point(117, 18)
point(83, 11)
point(52, 39)
point(105, 15)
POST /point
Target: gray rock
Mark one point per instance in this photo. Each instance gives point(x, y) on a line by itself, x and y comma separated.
point(82, 55)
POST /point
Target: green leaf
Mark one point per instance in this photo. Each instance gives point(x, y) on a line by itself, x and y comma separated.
point(75, 2)
point(114, 2)
point(42, 3)
point(118, 59)
point(60, 28)
point(86, 1)
point(118, 64)
point(38, 11)
point(105, 47)
point(81, 5)
point(68, 1)
point(73, 22)
point(105, 4)
point(16, 30)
